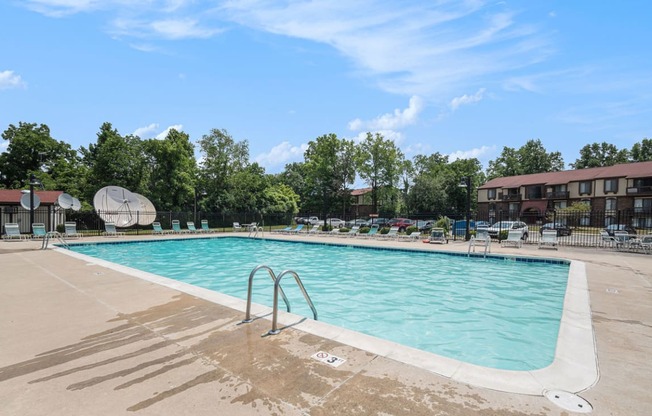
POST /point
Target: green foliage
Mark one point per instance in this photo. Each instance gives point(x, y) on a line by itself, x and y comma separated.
point(530, 158)
point(443, 222)
point(281, 198)
point(503, 235)
point(642, 152)
point(364, 230)
point(383, 230)
point(600, 154)
point(411, 229)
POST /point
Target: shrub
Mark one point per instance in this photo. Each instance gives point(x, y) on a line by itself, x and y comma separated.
point(343, 230)
point(327, 228)
point(61, 228)
point(411, 229)
point(364, 230)
point(384, 230)
point(503, 235)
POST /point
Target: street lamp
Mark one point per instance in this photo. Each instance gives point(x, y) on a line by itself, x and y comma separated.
point(32, 182)
point(465, 182)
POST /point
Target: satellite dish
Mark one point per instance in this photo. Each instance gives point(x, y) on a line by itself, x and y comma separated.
point(76, 205)
point(146, 211)
point(25, 201)
point(116, 204)
point(65, 201)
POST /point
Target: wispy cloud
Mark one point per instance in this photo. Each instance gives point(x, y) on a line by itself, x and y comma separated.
point(150, 131)
point(281, 154)
point(467, 99)
point(389, 121)
point(9, 79)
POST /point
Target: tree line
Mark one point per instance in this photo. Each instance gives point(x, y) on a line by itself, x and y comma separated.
point(225, 180)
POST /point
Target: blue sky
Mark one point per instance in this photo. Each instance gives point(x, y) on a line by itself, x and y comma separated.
point(463, 78)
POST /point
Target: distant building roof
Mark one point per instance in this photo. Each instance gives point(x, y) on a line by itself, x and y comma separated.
point(625, 170)
point(12, 196)
point(360, 191)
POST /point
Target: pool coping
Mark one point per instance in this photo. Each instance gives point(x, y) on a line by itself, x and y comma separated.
point(573, 369)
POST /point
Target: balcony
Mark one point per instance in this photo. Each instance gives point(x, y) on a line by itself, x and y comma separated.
point(558, 195)
point(510, 197)
point(640, 190)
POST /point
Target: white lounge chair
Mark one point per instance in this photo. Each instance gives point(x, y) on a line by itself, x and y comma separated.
point(157, 229)
point(111, 231)
point(549, 239)
point(416, 235)
point(352, 232)
point(514, 238)
point(204, 227)
point(70, 230)
point(438, 235)
point(314, 230)
point(391, 234)
point(237, 226)
point(12, 232)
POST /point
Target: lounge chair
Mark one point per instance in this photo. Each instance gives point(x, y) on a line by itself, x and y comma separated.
point(237, 227)
point(70, 230)
point(645, 243)
point(204, 226)
point(191, 227)
point(607, 240)
point(622, 240)
point(111, 231)
point(283, 230)
point(158, 229)
point(548, 239)
point(296, 230)
point(514, 238)
point(480, 239)
point(392, 233)
point(314, 230)
point(416, 235)
point(438, 235)
point(373, 232)
point(352, 232)
point(12, 232)
point(176, 227)
point(38, 230)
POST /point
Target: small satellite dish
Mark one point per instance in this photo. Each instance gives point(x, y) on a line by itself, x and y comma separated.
point(116, 204)
point(76, 205)
point(26, 199)
point(65, 201)
point(146, 210)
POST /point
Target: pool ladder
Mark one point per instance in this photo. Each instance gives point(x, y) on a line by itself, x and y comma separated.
point(486, 243)
point(277, 289)
point(53, 234)
point(253, 231)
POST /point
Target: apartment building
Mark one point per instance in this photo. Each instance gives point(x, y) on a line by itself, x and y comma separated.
point(620, 194)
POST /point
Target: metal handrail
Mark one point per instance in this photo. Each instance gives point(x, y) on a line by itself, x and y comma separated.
point(485, 242)
point(277, 286)
point(255, 231)
point(250, 290)
point(46, 239)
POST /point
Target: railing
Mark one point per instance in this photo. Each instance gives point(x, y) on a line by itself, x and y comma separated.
point(640, 190)
point(250, 290)
point(558, 195)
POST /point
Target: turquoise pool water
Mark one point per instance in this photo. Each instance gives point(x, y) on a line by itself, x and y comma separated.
point(493, 312)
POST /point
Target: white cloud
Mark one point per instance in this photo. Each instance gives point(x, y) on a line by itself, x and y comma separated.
point(478, 153)
point(281, 154)
point(60, 8)
point(149, 132)
point(399, 118)
point(181, 29)
point(9, 79)
point(467, 99)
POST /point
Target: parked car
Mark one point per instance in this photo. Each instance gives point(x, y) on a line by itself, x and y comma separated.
point(313, 221)
point(620, 227)
point(301, 220)
point(401, 223)
point(359, 222)
point(335, 222)
point(381, 222)
point(482, 224)
point(562, 229)
point(425, 226)
point(499, 226)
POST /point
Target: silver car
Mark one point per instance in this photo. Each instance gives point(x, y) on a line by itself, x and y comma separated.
point(500, 226)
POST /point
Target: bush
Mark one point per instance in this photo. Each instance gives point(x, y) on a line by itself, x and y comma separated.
point(384, 230)
point(364, 230)
point(411, 229)
point(343, 230)
point(503, 235)
point(61, 228)
point(327, 228)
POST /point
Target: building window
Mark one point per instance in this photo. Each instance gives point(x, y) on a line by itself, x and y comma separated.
point(560, 204)
point(585, 188)
point(610, 186)
point(610, 204)
point(533, 192)
point(643, 205)
point(491, 193)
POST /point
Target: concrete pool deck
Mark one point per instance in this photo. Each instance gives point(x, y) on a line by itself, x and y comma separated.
point(80, 338)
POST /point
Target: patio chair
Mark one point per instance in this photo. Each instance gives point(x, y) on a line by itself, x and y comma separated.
point(372, 233)
point(191, 227)
point(414, 236)
point(314, 230)
point(157, 229)
point(607, 240)
point(438, 236)
point(176, 227)
point(70, 230)
point(392, 233)
point(548, 239)
point(12, 232)
point(514, 238)
point(352, 232)
point(111, 231)
point(38, 230)
point(296, 230)
point(283, 230)
point(204, 226)
point(237, 226)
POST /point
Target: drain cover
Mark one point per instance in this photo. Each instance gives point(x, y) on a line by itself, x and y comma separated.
point(568, 401)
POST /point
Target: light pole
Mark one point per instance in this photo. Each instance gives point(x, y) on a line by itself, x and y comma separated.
point(32, 183)
point(466, 183)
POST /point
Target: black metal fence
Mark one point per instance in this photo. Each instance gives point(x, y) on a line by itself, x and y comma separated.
point(580, 229)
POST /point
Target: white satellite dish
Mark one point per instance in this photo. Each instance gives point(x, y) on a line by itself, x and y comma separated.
point(65, 201)
point(116, 204)
point(146, 210)
point(76, 205)
point(26, 201)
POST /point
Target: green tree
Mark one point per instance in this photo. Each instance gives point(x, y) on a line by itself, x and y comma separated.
point(294, 176)
point(328, 170)
point(115, 160)
point(600, 154)
point(379, 164)
point(530, 158)
point(430, 176)
point(173, 178)
point(32, 150)
point(642, 152)
point(280, 199)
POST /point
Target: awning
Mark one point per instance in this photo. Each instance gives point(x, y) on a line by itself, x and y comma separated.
point(540, 206)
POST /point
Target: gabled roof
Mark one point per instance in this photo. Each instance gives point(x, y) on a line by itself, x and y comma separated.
point(360, 191)
point(625, 170)
point(12, 196)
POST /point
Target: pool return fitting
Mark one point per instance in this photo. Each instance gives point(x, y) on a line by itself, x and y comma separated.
point(277, 289)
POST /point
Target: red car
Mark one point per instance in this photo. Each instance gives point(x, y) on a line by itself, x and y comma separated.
point(401, 223)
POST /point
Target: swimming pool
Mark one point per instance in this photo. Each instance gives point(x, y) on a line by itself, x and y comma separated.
point(493, 312)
